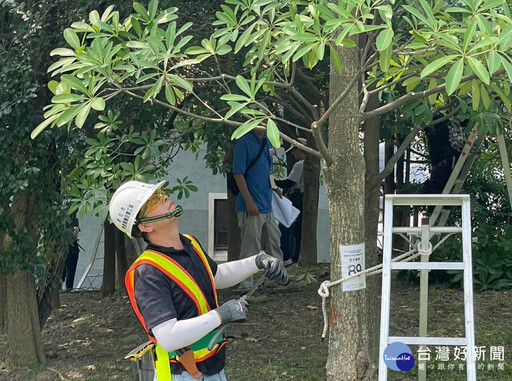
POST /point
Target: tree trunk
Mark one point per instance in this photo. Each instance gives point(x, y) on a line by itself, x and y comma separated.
point(122, 261)
point(108, 285)
point(234, 239)
point(308, 248)
point(23, 328)
point(349, 335)
point(134, 248)
point(3, 303)
point(372, 195)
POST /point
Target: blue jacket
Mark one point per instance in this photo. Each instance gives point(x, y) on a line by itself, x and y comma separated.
point(258, 177)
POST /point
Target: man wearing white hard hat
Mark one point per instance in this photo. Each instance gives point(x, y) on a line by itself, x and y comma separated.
point(172, 284)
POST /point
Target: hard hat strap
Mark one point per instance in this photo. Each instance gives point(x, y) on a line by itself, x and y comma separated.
point(178, 211)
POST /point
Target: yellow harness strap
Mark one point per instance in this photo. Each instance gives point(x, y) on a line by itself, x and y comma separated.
point(162, 365)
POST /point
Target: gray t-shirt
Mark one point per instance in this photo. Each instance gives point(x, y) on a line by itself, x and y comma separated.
point(296, 175)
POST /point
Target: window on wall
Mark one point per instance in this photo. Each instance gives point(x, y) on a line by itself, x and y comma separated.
point(218, 224)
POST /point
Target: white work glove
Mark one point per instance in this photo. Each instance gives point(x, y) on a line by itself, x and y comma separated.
point(233, 311)
point(274, 270)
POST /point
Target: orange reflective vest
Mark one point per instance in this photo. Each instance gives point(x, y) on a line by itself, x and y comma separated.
point(186, 282)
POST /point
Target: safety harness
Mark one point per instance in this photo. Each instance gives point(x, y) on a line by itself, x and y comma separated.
point(186, 282)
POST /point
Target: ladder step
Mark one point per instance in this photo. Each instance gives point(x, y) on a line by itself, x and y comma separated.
point(433, 229)
point(427, 266)
point(415, 340)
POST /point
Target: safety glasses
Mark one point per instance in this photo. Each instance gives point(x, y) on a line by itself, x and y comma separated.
point(152, 202)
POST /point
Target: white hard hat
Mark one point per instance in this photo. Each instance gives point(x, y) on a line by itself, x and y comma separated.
point(127, 202)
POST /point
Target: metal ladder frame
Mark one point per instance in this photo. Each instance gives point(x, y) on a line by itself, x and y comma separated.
point(459, 174)
point(426, 231)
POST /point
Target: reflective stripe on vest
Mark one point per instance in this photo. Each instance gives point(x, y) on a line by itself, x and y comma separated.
point(184, 280)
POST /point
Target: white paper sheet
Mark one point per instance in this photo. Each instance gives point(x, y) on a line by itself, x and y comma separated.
point(283, 210)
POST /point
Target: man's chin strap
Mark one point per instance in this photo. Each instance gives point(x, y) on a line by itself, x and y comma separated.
point(178, 211)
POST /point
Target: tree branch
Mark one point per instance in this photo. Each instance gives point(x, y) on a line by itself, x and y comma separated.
point(415, 95)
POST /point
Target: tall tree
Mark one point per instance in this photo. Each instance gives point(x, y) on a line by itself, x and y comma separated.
point(420, 58)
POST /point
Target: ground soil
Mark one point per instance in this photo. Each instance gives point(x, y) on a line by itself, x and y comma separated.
point(87, 338)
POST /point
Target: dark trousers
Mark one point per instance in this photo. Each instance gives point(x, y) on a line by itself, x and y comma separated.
point(291, 237)
point(439, 176)
point(68, 274)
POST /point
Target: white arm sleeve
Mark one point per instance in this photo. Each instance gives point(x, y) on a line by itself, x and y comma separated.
point(231, 273)
point(173, 334)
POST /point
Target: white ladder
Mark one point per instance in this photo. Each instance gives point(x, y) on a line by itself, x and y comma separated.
point(426, 231)
point(86, 276)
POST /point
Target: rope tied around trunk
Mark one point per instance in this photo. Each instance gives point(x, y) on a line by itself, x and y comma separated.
point(323, 291)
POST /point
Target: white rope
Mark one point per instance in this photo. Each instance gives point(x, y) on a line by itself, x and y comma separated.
point(426, 251)
point(323, 291)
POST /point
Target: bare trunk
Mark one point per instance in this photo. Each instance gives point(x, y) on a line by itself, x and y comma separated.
point(134, 248)
point(3, 303)
point(23, 328)
point(308, 249)
point(122, 261)
point(108, 285)
point(234, 239)
point(371, 157)
point(349, 356)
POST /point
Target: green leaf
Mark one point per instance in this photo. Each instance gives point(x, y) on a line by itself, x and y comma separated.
point(507, 66)
point(468, 36)
point(82, 115)
point(273, 133)
point(69, 114)
point(475, 94)
point(234, 97)
point(223, 50)
point(41, 126)
point(235, 107)
point(136, 45)
point(98, 104)
point(243, 38)
point(139, 8)
point(63, 52)
point(67, 98)
point(167, 16)
point(416, 13)
point(479, 69)
point(194, 50)
point(384, 39)
point(153, 7)
point(169, 95)
point(181, 82)
point(303, 51)
point(504, 98)
point(411, 83)
point(454, 76)
point(71, 38)
point(245, 128)
point(486, 100)
point(243, 85)
point(306, 37)
point(75, 83)
point(493, 62)
point(336, 60)
point(385, 58)
point(437, 64)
